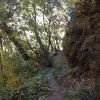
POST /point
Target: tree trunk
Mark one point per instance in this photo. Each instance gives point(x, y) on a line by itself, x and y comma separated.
point(1, 65)
point(45, 52)
point(9, 32)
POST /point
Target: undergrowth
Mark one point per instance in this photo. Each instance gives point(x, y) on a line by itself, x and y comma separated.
point(28, 89)
point(82, 93)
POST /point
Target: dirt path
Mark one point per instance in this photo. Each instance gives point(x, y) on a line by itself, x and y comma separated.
point(57, 92)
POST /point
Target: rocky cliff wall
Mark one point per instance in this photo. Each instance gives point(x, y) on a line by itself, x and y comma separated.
point(81, 43)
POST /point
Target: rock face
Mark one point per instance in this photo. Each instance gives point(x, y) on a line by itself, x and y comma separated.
point(81, 43)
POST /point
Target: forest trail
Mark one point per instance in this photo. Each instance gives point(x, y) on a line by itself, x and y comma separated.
point(57, 91)
point(67, 83)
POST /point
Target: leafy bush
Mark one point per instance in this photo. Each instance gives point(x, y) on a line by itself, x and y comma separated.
point(82, 93)
point(4, 94)
point(25, 68)
point(30, 89)
point(67, 95)
point(59, 71)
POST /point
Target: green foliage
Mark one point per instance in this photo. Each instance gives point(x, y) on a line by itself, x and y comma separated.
point(67, 95)
point(30, 89)
point(56, 71)
point(24, 68)
point(59, 72)
point(5, 94)
point(42, 98)
point(44, 71)
point(2, 12)
point(82, 93)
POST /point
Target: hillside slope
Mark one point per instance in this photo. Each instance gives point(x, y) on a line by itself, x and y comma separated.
point(82, 42)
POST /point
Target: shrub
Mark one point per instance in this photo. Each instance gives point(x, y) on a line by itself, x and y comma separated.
point(67, 95)
point(25, 68)
point(30, 89)
point(82, 93)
